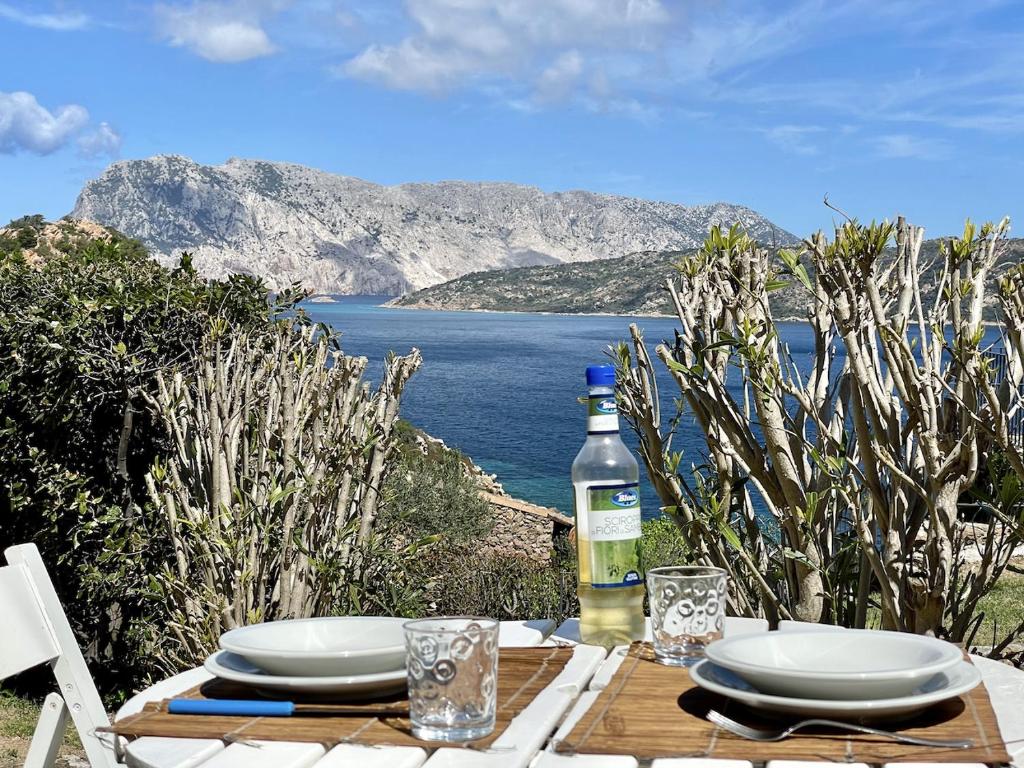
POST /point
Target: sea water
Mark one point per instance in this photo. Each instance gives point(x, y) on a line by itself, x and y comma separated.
point(529, 436)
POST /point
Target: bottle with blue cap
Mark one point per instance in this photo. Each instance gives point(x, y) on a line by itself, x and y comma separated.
point(605, 479)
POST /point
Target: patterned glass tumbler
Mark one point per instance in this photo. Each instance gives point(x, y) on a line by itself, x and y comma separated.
point(687, 611)
point(453, 677)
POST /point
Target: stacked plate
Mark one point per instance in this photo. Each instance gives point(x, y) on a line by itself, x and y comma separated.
point(841, 673)
point(350, 656)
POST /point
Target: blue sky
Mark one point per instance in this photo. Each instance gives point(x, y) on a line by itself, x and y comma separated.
point(887, 107)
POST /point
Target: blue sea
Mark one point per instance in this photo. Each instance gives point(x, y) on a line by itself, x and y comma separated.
point(502, 387)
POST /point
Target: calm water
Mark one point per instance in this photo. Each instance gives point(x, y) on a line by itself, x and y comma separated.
point(502, 387)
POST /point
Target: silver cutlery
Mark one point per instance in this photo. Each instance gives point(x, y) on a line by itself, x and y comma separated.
point(757, 734)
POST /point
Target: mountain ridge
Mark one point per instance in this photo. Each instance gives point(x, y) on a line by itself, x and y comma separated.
point(340, 234)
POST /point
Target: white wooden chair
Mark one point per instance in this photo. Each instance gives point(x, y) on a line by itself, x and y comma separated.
point(35, 631)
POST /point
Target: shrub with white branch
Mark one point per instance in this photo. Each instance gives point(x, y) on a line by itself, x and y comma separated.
point(831, 486)
point(271, 493)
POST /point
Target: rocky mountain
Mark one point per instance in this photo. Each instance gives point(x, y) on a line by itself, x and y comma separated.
point(628, 285)
point(338, 234)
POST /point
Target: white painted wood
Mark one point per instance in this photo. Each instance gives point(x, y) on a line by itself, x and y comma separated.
point(734, 625)
point(159, 752)
point(73, 678)
point(27, 640)
point(703, 762)
point(579, 708)
point(1006, 690)
point(568, 632)
point(354, 755)
point(267, 754)
point(741, 625)
point(526, 634)
point(162, 752)
point(611, 665)
point(528, 732)
point(551, 760)
point(163, 690)
point(49, 733)
point(935, 765)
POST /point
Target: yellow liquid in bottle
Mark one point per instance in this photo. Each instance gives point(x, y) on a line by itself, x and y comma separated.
point(609, 616)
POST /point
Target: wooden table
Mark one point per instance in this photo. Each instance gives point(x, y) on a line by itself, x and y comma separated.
point(524, 742)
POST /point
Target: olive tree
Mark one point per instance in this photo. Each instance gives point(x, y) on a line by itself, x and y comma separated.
point(832, 484)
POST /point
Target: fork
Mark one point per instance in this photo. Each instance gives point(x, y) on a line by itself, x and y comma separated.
point(756, 734)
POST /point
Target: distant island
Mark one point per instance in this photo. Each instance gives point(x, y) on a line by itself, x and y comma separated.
point(627, 285)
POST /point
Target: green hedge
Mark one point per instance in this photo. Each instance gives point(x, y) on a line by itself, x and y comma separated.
point(81, 333)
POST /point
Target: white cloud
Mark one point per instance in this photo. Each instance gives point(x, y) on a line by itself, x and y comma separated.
point(58, 22)
point(103, 141)
point(220, 32)
point(25, 125)
point(28, 126)
point(550, 48)
point(556, 82)
point(795, 139)
point(903, 146)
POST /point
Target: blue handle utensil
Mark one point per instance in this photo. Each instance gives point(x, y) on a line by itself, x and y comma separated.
point(231, 707)
point(259, 708)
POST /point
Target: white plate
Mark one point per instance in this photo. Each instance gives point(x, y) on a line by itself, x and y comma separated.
point(862, 663)
point(330, 646)
point(940, 687)
point(230, 666)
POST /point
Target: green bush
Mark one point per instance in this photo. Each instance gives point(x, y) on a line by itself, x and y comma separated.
point(663, 544)
point(81, 334)
point(459, 580)
point(433, 495)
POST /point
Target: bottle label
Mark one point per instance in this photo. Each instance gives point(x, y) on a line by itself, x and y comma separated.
point(602, 413)
point(613, 522)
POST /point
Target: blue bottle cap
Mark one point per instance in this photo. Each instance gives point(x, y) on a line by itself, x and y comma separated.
point(600, 375)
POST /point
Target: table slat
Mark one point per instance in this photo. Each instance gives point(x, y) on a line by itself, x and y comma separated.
point(551, 760)
point(1006, 690)
point(703, 762)
point(529, 731)
point(356, 755)
point(161, 752)
point(526, 634)
point(267, 754)
point(734, 625)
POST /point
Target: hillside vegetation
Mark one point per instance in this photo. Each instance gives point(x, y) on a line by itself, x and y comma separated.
point(628, 285)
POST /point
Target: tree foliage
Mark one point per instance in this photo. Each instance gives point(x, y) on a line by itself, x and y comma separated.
point(83, 332)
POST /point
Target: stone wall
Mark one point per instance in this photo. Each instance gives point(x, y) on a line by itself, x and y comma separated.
point(523, 529)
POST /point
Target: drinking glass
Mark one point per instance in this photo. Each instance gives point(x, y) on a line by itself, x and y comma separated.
point(453, 677)
point(687, 611)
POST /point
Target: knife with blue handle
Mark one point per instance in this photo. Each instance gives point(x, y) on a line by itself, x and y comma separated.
point(260, 708)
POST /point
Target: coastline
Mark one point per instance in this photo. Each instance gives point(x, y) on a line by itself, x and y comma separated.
point(660, 315)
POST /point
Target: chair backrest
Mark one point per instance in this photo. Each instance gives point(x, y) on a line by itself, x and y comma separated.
point(36, 631)
point(27, 640)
